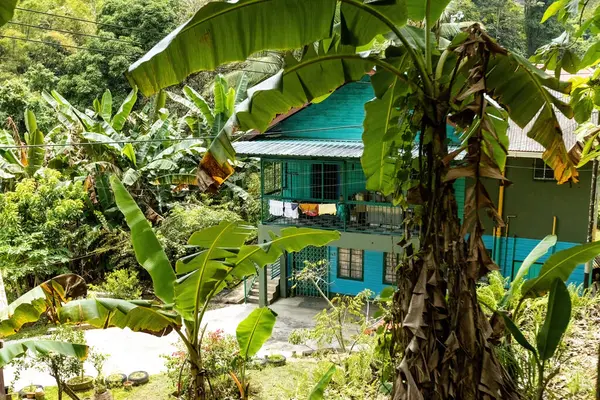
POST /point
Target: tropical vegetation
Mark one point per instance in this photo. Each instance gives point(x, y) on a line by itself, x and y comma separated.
point(94, 176)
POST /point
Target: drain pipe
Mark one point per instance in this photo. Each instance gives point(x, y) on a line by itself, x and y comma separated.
point(508, 218)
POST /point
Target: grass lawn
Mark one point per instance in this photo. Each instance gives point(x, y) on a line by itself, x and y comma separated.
point(266, 384)
point(270, 383)
point(158, 388)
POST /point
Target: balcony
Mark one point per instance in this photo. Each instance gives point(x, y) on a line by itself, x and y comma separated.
point(349, 216)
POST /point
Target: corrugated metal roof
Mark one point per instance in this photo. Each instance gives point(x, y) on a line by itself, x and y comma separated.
point(300, 148)
point(308, 148)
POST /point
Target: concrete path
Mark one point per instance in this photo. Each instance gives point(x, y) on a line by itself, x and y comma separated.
point(131, 351)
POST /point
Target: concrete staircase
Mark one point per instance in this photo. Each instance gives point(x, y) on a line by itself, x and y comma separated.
point(272, 289)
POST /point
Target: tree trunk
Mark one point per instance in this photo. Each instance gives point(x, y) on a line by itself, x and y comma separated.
point(592, 217)
point(197, 381)
point(439, 324)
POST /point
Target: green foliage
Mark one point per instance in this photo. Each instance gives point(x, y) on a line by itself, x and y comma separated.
point(504, 20)
point(61, 367)
point(185, 219)
point(39, 222)
point(120, 284)
point(539, 34)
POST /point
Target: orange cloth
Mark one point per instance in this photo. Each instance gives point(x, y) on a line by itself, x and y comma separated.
point(312, 210)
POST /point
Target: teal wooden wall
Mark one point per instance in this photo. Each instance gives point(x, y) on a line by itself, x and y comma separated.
point(344, 107)
point(510, 253)
point(372, 277)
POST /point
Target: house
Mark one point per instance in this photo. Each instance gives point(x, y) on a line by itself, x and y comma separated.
point(311, 176)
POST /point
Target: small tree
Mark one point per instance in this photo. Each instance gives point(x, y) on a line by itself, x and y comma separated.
point(61, 367)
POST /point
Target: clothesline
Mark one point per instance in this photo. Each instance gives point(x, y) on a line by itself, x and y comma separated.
point(292, 210)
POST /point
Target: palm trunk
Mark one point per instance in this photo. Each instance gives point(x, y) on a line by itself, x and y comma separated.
point(440, 328)
point(197, 381)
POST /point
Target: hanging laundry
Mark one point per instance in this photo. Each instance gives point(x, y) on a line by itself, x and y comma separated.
point(327, 209)
point(312, 210)
point(290, 210)
point(276, 208)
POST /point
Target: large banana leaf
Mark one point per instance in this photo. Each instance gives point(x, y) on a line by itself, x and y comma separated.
point(12, 350)
point(539, 250)
point(222, 32)
point(557, 319)
point(254, 331)
point(524, 91)
point(105, 111)
point(120, 117)
point(560, 265)
point(7, 9)
point(381, 130)
point(198, 104)
point(148, 250)
point(139, 316)
point(362, 20)
point(35, 138)
point(9, 152)
point(224, 255)
point(206, 271)
point(292, 239)
point(324, 68)
point(46, 297)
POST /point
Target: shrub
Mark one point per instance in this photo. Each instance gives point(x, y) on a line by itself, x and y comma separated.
point(185, 219)
point(120, 284)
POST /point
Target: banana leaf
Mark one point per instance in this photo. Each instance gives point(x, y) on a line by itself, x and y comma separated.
point(560, 265)
point(318, 391)
point(319, 72)
point(539, 250)
point(120, 117)
point(509, 78)
point(148, 251)
point(254, 331)
point(45, 298)
point(139, 316)
point(199, 44)
point(557, 320)
point(7, 9)
point(12, 350)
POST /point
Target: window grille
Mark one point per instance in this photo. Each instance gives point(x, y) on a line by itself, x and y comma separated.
point(541, 171)
point(390, 273)
point(350, 264)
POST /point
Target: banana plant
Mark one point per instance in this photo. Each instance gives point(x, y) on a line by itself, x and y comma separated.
point(421, 82)
point(17, 159)
point(551, 279)
point(200, 118)
point(184, 293)
point(46, 298)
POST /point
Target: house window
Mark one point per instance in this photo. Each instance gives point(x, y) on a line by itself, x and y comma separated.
point(390, 272)
point(541, 171)
point(350, 264)
point(324, 183)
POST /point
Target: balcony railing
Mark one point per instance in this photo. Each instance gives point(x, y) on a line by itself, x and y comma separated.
point(350, 216)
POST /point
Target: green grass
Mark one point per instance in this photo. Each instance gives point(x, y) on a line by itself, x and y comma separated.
point(158, 387)
point(265, 384)
point(270, 382)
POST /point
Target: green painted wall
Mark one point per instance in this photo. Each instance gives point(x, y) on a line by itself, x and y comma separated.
point(533, 203)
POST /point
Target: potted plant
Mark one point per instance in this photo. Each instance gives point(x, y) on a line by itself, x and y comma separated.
point(128, 385)
point(139, 377)
point(28, 392)
point(276, 360)
point(116, 379)
point(81, 383)
point(101, 392)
